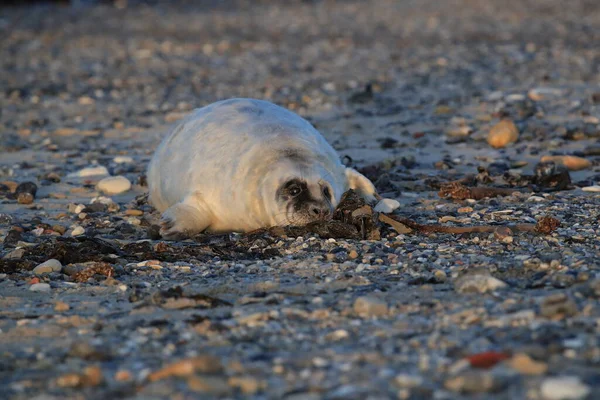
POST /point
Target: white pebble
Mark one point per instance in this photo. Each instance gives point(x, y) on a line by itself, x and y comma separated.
point(79, 208)
point(40, 287)
point(386, 206)
point(103, 200)
point(78, 230)
point(536, 198)
point(564, 388)
point(511, 98)
point(408, 380)
point(542, 92)
point(52, 265)
point(123, 159)
point(114, 185)
point(595, 188)
point(90, 171)
point(478, 284)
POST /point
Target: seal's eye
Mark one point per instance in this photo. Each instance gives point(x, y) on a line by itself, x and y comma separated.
point(327, 193)
point(294, 189)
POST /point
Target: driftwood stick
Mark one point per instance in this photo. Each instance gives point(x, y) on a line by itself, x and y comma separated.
point(544, 226)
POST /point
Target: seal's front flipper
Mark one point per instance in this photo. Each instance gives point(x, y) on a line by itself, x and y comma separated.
point(185, 219)
point(361, 184)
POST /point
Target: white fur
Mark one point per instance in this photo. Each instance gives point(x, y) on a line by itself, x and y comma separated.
point(220, 167)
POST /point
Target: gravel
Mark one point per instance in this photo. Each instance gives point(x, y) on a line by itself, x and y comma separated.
point(407, 93)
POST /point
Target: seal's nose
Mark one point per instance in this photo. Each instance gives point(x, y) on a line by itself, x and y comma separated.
point(320, 212)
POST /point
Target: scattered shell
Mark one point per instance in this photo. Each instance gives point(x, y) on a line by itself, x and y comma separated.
point(386, 206)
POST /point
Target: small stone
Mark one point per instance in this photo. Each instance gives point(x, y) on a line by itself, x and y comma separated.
point(573, 163)
point(477, 283)
point(123, 376)
point(90, 171)
point(26, 192)
point(541, 93)
point(61, 306)
point(564, 388)
point(76, 208)
point(471, 382)
point(92, 376)
point(386, 206)
point(408, 381)
point(515, 97)
point(52, 265)
point(247, 384)
point(12, 186)
point(114, 185)
point(66, 131)
point(59, 228)
point(369, 306)
point(443, 109)
point(25, 198)
point(40, 287)
point(136, 213)
point(175, 116)
point(85, 101)
point(595, 188)
point(15, 254)
point(338, 334)
point(440, 275)
point(187, 367)
point(69, 380)
point(524, 364)
point(504, 234)
point(123, 160)
point(87, 351)
point(503, 133)
point(558, 306)
point(78, 230)
point(459, 131)
point(107, 201)
point(209, 384)
point(353, 254)
point(465, 210)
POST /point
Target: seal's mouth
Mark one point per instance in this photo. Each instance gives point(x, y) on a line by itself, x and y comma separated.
point(302, 214)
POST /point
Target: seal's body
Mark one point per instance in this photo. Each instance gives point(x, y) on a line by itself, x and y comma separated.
point(245, 164)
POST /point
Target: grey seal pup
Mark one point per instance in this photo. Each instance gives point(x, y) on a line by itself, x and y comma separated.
point(244, 164)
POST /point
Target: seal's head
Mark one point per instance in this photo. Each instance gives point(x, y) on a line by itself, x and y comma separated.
point(296, 187)
point(302, 201)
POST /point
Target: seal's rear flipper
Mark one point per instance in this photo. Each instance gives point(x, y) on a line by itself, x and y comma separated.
point(361, 184)
point(184, 219)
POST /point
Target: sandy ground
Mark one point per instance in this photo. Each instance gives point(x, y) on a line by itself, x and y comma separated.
point(406, 92)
